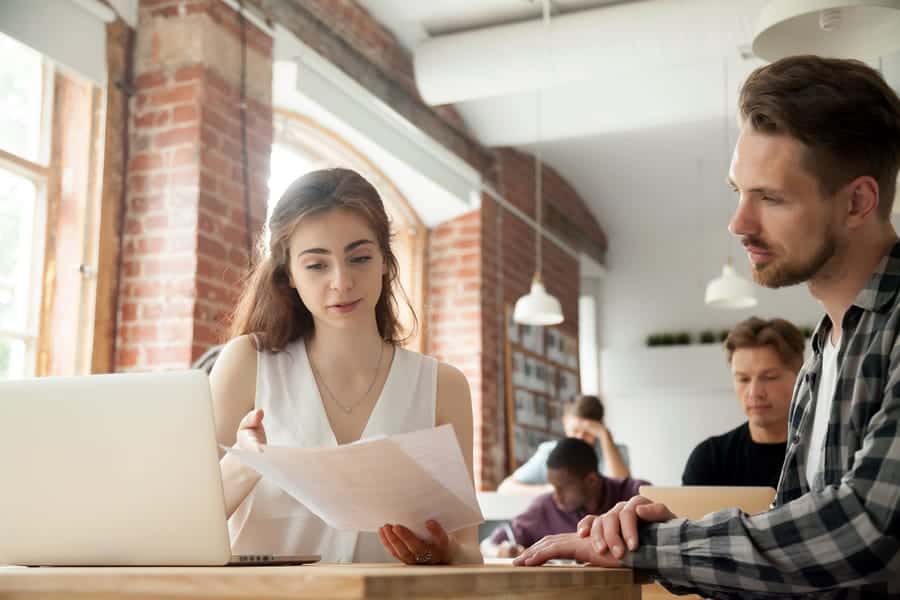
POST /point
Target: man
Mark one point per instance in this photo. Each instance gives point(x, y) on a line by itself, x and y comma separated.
point(578, 490)
point(582, 419)
point(815, 169)
point(764, 357)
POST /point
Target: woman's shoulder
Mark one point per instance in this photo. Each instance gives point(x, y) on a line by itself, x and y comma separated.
point(240, 347)
point(238, 356)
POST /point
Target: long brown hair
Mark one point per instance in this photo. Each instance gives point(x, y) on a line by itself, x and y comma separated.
point(842, 110)
point(269, 309)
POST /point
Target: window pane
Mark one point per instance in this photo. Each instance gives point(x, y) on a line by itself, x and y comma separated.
point(21, 80)
point(18, 197)
point(12, 358)
point(286, 166)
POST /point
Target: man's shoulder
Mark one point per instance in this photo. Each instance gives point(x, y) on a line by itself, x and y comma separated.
point(624, 488)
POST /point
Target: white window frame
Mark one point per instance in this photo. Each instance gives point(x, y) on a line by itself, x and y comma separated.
point(38, 173)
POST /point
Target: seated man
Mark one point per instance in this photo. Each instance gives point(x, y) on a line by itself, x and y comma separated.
point(765, 357)
point(578, 490)
point(582, 419)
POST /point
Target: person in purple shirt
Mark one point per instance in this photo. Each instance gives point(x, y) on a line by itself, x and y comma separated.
point(578, 490)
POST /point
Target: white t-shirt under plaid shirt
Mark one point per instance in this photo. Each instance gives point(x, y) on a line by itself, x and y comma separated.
point(839, 535)
point(824, 397)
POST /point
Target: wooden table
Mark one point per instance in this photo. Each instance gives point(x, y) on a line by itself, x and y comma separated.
point(318, 581)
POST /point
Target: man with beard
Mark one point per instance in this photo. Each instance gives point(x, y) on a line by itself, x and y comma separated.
point(815, 172)
point(765, 356)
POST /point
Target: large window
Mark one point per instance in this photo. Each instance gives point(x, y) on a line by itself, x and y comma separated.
point(24, 99)
point(51, 127)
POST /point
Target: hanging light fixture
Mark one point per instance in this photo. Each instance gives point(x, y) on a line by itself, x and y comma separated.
point(833, 28)
point(538, 307)
point(729, 290)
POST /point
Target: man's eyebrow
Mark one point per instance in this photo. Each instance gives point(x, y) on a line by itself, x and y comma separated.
point(768, 191)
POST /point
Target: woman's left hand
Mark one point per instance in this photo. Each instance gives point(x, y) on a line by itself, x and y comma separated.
point(406, 547)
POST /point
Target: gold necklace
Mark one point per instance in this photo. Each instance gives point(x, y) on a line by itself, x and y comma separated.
point(347, 409)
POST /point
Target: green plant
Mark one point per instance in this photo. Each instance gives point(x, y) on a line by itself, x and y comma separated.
point(723, 335)
point(707, 336)
point(682, 337)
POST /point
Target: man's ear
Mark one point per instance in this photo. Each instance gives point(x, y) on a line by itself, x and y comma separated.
point(863, 201)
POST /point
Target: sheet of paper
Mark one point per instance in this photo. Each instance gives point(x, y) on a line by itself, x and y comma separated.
point(402, 479)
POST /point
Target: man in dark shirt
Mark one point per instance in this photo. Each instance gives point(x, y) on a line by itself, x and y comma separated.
point(765, 357)
point(578, 490)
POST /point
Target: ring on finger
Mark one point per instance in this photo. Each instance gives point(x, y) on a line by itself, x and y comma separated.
point(424, 559)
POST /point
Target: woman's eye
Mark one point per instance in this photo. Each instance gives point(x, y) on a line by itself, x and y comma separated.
point(314, 267)
point(360, 259)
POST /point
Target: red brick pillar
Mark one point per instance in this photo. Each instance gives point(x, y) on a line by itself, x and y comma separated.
point(185, 239)
point(454, 310)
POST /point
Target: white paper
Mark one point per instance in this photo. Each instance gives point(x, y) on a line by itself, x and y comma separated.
point(404, 479)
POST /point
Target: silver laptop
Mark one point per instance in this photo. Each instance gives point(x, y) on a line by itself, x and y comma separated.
point(113, 470)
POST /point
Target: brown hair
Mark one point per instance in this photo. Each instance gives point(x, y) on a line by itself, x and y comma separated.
point(585, 407)
point(780, 335)
point(842, 110)
point(269, 309)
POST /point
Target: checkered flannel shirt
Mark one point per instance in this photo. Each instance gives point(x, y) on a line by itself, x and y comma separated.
point(838, 537)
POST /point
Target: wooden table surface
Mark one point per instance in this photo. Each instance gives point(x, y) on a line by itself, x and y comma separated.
point(318, 581)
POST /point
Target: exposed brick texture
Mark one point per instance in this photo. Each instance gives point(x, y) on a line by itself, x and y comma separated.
point(185, 240)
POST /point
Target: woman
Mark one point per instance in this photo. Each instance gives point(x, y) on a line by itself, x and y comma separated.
point(315, 354)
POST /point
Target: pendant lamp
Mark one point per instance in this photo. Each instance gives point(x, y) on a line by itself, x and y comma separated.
point(538, 307)
point(833, 28)
point(729, 290)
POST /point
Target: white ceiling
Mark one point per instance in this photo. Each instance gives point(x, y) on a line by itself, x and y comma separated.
point(580, 118)
point(686, 101)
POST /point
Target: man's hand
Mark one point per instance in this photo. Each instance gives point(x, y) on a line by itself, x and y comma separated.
point(616, 530)
point(565, 545)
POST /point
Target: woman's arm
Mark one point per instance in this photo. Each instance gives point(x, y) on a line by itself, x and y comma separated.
point(614, 464)
point(454, 407)
point(233, 386)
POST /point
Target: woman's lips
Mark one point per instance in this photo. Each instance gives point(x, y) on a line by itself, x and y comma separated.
point(345, 307)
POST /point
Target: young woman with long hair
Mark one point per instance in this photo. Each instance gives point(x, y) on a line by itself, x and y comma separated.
point(315, 354)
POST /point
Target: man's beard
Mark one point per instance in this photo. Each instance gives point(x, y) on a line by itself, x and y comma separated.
point(776, 275)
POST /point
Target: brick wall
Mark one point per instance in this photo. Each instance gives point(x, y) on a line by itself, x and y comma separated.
point(480, 264)
point(184, 243)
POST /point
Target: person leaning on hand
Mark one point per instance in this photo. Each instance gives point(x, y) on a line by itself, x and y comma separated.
point(815, 172)
point(583, 419)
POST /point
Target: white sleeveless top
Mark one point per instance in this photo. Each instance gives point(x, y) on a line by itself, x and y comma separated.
point(269, 521)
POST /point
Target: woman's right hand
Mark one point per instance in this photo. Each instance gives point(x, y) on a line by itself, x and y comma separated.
point(251, 435)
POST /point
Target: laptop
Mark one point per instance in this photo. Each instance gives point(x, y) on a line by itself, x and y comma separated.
point(696, 501)
point(113, 470)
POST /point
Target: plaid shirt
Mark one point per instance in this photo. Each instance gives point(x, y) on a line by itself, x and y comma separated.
point(838, 537)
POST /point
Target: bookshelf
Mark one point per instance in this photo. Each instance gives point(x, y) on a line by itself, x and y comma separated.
point(541, 375)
